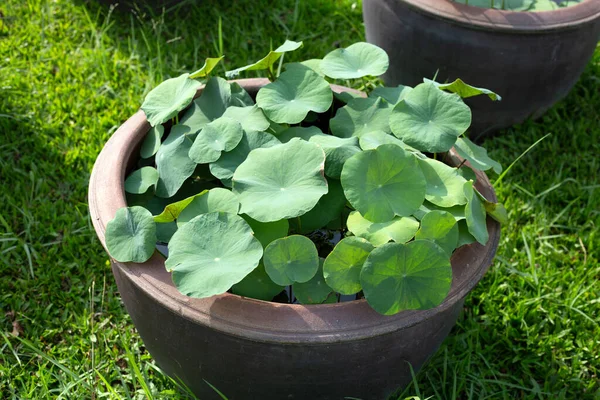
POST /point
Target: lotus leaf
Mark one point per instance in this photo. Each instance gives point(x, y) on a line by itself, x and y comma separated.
point(384, 182)
point(476, 155)
point(131, 235)
point(343, 265)
point(291, 259)
point(444, 183)
point(251, 118)
point(392, 95)
point(355, 61)
point(152, 141)
point(281, 182)
point(475, 214)
point(413, 276)
point(464, 90)
point(429, 119)
point(168, 98)
point(139, 181)
point(222, 134)
point(327, 209)
point(211, 253)
point(399, 229)
point(257, 285)
point(360, 116)
point(315, 291)
point(439, 227)
point(213, 200)
point(172, 161)
point(209, 65)
point(267, 61)
point(266, 232)
point(295, 93)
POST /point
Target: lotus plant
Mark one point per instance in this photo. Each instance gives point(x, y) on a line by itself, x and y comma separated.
point(305, 192)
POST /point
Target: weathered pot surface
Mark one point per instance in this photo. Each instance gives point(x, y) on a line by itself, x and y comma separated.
point(252, 349)
point(531, 59)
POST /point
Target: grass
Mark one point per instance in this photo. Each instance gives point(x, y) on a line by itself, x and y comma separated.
point(73, 70)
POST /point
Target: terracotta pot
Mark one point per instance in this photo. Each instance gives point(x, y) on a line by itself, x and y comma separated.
point(252, 349)
point(531, 59)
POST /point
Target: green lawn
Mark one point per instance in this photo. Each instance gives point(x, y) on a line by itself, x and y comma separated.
point(71, 71)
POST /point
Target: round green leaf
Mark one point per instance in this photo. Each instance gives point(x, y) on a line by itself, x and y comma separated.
point(223, 134)
point(374, 139)
point(267, 61)
point(475, 214)
point(168, 98)
point(251, 118)
point(213, 200)
point(413, 276)
point(225, 166)
point(392, 95)
point(399, 229)
point(152, 141)
point(131, 235)
point(360, 116)
point(327, 209)
point(429, 119)
point(315, 291)
point(463, 89)
point(266, 232)
point(346, 97)
point(439, 227)
point(444, 183)
point(211, 253)
point(291, 259)
point(458, 212)
point(257, 285)
point(281, 182)
point(139, 181)
point(211, 104)
point(384, 182)
point(355, 61)
point(172, 161)
point(476, 155)
point(293, 95)
point(239, 96)
point(165, 231)
point(313, 64)
point(302, 132)
point(343, 265)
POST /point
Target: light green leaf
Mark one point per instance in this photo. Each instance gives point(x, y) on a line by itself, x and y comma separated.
point(464, 236)
point(439, 227)
point(315, 291)
point(239, 96)
point(374, 139)
point(211, 253)
point(293, 95)
point(413, 276)
point(343, 265)
point(211, 104)
point(152, 141)
point(458, 212)
point(291, 259)
point(463, 89)
point(312, 64)
point(392, 95)
point(357, 60)
point(361, 116)
point(131, 235)
point(476, 155)
point(168, 98)
point(251, 118)
point(268, 61)
point(429, 119)
point(213, 200)
point(140, 180)
point(384, 182)
point(171, 211)
point(257, 285)
point(399, 229)
point(337, 150)
point(444, 183)
point(328, 208)
point(266, 232)
point(209, 65)
point(475, 214)
point(225, 166)
point(497, 211)
point(223, 134)
point(172, 161)
point(281, 182)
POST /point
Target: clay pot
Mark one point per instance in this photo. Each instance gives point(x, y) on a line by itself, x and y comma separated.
point(252, 349)
point(531, 59)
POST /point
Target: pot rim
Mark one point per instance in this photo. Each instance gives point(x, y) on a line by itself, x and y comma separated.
point(489, 19)
point(256, 319)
